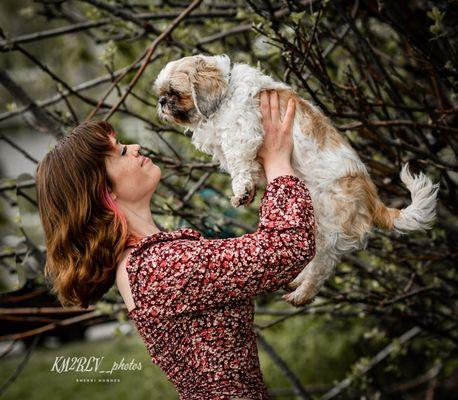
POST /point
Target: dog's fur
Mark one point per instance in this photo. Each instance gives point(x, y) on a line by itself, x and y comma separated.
point(220, 105)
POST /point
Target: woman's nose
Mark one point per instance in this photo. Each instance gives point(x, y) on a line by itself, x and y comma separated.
point(137, 148)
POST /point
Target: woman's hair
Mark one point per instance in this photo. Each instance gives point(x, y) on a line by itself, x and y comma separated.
point(85, 232)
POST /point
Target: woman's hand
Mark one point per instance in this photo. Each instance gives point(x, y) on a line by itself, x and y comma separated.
point(275, 152)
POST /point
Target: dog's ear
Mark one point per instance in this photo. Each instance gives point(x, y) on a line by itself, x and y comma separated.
point(223, 62)
point(208, 86)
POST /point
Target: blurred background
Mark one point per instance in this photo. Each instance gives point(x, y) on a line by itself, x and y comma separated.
point(385, 73)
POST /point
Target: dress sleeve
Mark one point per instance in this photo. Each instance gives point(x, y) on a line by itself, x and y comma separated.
point(214, 271)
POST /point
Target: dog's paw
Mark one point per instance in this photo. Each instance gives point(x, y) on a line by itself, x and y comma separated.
point(236, 201)
point(297, 299)
point(293, 285)
point(245, 199)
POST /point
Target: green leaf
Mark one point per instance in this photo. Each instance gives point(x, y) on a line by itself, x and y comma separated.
point(11, 106)
point(435, 14)
point(104, 307)
point(297, 16)
point(107, 56)
point(27, 12)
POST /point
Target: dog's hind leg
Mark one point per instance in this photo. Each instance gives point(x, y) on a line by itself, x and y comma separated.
point(311, 278)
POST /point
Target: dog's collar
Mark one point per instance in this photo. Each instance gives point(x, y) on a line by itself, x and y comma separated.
point(229, 78)
point(229, 75)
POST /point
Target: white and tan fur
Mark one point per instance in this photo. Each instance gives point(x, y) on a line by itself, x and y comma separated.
point(220, 105)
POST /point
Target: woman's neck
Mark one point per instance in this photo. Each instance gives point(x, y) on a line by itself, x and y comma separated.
point(139, 219)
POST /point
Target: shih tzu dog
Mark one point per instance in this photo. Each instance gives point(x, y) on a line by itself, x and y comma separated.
point(219, 103)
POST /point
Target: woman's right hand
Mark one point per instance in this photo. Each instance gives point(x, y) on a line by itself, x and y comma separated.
point(275, 152)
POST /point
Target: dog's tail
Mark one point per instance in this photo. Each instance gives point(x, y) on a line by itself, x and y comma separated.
point(419, 215)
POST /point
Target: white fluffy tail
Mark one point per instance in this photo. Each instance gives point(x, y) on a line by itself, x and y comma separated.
point(421, 214)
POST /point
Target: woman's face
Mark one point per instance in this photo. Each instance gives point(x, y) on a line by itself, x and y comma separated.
point(133, 182)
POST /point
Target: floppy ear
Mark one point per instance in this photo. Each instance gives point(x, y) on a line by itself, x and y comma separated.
point(208, 87)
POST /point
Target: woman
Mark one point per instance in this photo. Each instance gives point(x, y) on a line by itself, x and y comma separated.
point(190, 298)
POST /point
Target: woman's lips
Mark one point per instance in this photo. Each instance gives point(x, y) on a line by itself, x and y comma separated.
point(146, 160)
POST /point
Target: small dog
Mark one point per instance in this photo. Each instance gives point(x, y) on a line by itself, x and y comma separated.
point(220, 104)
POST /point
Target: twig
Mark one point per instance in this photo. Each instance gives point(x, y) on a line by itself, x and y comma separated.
point(20, 367)
point(149, 54)
point(298, 388)
point(404, 338)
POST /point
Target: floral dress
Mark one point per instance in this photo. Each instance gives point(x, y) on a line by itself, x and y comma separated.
point(193, 296)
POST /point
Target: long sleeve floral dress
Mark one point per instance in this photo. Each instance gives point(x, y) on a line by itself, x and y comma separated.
point(193, 296)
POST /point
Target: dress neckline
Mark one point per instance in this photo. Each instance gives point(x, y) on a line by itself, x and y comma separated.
point(161, 236)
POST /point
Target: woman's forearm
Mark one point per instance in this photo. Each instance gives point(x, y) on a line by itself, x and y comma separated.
point(277, 167)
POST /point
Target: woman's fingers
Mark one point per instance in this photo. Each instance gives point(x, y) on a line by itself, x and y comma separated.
point(274, 108)
point(289, 115)
point(265, 107)
point(270, 111)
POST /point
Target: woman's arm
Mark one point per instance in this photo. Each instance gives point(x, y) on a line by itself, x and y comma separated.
point(210, 272)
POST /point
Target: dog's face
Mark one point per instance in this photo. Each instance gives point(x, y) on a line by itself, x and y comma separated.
point(191, 89)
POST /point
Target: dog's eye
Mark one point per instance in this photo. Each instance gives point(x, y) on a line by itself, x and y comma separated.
point(173, 93)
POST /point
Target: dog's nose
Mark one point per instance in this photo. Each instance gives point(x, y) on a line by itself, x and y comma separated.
point(162, 101)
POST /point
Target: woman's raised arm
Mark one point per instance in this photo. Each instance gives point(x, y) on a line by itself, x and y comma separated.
point(210, 272)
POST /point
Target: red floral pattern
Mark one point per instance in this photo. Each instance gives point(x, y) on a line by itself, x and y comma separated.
point(194, 296)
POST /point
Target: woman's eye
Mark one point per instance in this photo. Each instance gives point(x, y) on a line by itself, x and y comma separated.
point(124, 150)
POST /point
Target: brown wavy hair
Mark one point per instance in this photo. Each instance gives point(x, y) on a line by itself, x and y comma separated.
point(85, 232)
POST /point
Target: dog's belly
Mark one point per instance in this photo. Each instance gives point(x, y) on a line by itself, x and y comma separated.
point(320, 167)
point(212, 147)
point(321, 170)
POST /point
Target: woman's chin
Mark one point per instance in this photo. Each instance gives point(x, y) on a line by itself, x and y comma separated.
point(157, 173)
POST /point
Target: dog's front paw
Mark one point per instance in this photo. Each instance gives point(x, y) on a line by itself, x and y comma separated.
point(244, 199)
point(238, 201)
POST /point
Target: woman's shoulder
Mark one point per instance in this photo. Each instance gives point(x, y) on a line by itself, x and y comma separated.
point(122, 280)
point(125, 253)
point(122, 263)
